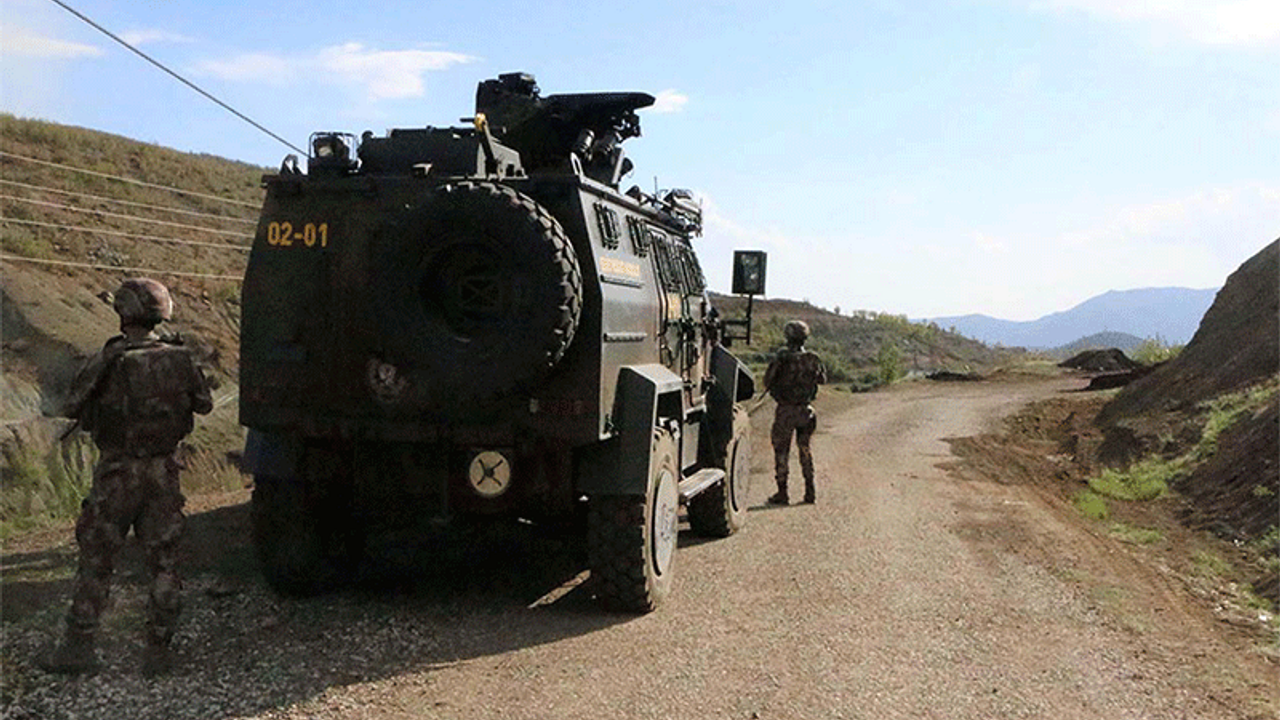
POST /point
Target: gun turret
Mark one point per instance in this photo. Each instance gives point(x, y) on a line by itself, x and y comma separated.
point(584, 128)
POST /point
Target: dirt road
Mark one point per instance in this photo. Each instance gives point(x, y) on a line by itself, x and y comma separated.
point(906, 592)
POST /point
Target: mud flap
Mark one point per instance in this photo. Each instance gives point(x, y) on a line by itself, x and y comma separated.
point(647, 395)
point(271, 454)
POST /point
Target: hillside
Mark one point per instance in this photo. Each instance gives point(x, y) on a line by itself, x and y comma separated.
point(1098, 341)
point(1237, 343)
point(79, 211)
point(863, 343)
point(86, 209)
point(1219, 398)
point(1169, 314)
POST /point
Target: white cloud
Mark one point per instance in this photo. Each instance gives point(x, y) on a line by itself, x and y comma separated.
point(393, 74)
point(1212, 217)
point(715, 222)
point(1191, 241)
point(1212, 22)
point(380, 74)
point(1194, 240)
point(252, 67)
point(1020, 272)
point(152, 36)
point(669, 101)
point(18, 42)
point(988, 244)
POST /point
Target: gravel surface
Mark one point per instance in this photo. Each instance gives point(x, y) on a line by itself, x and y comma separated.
point(904, 593)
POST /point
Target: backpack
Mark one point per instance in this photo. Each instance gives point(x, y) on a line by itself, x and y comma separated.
point(144, 406)
point(797, 377)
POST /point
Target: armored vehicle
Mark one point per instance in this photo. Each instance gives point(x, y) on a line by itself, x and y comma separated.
point(462, 321)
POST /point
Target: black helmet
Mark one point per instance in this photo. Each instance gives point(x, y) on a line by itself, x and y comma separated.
point(142, 301)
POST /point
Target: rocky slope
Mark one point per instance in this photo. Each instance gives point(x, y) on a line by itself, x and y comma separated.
point(1233, 360)
point(1237, 343)
point(79, 212)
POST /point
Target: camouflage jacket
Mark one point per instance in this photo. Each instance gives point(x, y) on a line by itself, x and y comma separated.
point(794, 376)
point(137, 396)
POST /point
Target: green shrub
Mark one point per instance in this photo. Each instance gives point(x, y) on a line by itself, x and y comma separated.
point(1225, 410)
point(40, 488)
point(1091, 504)
point(1150, 478)
point(1144, 480)
point(865, 382)
point(889, 361)
point(1153, 351)
point(1137, 536)
point(1210, 564)
point(22, 241)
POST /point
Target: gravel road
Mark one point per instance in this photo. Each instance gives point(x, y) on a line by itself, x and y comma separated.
point(903, 593)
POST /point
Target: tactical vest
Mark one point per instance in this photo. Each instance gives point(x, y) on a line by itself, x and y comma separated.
point(144, 406)
point(796, 379)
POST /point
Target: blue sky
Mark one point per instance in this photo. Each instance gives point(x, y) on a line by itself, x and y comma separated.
point(940, 157)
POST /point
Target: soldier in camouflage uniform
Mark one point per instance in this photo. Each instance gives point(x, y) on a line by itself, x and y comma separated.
point(136, 396)
point(792, 379)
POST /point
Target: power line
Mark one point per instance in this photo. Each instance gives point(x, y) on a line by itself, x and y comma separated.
point(133, 218)
point(114, 233)
point(131, 181)
point(114, 268)
point(102, 198)
point(178, 77)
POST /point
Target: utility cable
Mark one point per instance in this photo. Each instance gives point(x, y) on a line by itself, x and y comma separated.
point(115, 268)
point(115, 233)
point(178, 77)
point(233, 395)
point(131, 181)
point(103, 198)
point(132, 218)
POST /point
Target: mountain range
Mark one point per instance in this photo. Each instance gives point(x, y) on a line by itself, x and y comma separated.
point(1168, 314)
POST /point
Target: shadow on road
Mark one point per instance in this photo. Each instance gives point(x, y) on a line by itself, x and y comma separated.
point(767, 507)
point(423, 601)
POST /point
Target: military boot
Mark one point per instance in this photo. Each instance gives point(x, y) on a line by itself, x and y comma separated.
point(780, 497)
point(74, 656)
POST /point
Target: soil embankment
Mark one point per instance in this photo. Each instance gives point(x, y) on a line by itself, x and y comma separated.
point(1236, 492)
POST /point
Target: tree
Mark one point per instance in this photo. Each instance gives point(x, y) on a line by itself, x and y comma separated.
point(889, 361)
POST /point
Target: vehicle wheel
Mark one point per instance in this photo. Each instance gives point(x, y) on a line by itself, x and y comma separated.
point(721, 511)
point(480, 293)
point(631, 539)
point(303, 533)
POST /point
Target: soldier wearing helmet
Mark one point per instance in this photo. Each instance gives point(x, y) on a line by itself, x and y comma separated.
point(136, 397)
point(792, 380)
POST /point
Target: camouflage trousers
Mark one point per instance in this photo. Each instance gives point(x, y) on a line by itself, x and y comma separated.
point(801, 421)
point(143, 494)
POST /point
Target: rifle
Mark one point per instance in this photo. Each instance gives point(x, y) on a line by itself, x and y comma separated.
point(111, 353)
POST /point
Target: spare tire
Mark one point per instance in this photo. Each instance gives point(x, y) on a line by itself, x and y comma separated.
point(480, 294)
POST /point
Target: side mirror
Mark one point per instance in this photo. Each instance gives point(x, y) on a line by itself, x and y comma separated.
point(748, 279)
point(749, 272)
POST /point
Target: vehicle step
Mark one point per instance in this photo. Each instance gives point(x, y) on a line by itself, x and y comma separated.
point(700, 481)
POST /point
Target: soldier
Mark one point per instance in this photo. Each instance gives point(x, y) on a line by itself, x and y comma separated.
point(792, 379)
point(136, 396)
